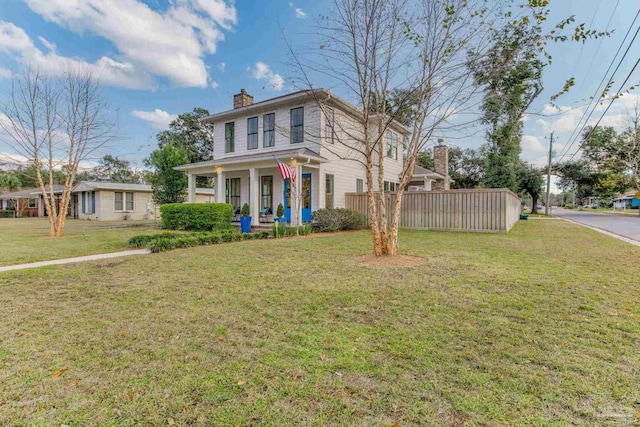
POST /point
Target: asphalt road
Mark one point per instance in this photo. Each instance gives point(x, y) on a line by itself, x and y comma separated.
point(626, 226)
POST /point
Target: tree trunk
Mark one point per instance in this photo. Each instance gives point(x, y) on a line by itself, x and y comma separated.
point(534, 204)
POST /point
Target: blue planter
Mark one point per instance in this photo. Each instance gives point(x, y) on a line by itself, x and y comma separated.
point(281, 221)
point(245, 224)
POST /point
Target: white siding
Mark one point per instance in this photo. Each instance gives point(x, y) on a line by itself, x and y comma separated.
point(282, 135)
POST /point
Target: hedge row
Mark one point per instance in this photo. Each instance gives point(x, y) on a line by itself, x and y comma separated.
point(161, 242)
point(196, 216)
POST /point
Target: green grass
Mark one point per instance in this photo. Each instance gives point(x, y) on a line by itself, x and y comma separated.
point(537, 327)
point(26, 240)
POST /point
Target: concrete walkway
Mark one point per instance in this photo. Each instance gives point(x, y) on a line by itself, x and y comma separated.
point(74, 260)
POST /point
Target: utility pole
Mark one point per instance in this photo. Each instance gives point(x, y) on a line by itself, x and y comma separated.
point(547, 209)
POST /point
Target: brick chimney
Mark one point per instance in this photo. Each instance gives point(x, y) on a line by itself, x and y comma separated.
point(242, 99)
point(441, 165)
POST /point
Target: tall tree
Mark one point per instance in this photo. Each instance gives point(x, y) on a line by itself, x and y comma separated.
point(189, 132)
point(169, 185)
point(510, 74)
point(56, 124)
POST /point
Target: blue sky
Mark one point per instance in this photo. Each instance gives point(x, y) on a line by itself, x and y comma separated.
point(159, 58)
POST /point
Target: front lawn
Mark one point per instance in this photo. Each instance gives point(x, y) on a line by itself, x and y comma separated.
point(537, 327)
point(26, 240)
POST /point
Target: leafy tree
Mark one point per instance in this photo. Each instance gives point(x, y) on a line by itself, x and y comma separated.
point(9, 182)
point(191, 134)
point(510, 74)
point(511, 77)
point(530, 181)
point(169, 185)
point(113, 169)
point(601, 147)
point(28, 179)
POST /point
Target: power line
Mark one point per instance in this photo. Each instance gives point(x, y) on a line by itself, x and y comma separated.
point(595, 55)
point(574, 136)
point(608, 106)
point(577, 62)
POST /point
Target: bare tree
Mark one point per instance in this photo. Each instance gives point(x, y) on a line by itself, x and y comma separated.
point(416, 51)
point(56, 124)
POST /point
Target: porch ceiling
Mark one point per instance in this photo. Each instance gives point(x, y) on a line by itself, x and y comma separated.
point(259, 160)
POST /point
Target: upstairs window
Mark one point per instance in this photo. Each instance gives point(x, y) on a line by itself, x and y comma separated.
point(328, 203)
point(269, 129)
point(252, 133)
point(297, 125)
point(329, 132)
point(359, 186)
point(391, 140)
point(229, 137)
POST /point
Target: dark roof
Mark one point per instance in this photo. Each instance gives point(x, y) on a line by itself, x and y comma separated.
point(29, 193)
point(419, 170)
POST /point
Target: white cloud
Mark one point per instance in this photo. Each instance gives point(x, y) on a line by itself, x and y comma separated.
point(159, 119)
point(214, 84)
point(170, 44)
point(5, 73)
point(222, 67)
point(299, 12)
point(46, 43)
point(14, 40)
point(262, 71)
point(532, 143)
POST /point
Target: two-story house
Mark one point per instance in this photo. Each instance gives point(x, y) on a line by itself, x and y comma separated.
point(316, 133)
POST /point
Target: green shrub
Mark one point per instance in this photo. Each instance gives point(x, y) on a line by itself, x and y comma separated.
point(263, 235)
point(166, 241)
point(245, 210)
point(196, 216)
point(327, 220)
point(143, 240)
point(280, 211)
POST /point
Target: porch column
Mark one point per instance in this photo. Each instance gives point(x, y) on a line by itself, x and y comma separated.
point(254, 198)
point(220, 191)
point(427, 184)
point(192, 188)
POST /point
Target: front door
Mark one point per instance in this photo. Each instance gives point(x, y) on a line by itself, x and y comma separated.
point(287, 201)
point(306, 199)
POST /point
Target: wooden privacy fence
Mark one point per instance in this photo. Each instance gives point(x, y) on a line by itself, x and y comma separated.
point(477, 210)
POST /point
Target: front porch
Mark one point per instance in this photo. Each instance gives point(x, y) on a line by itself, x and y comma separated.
point(257, 182)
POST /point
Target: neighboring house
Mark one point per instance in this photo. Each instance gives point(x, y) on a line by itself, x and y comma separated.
point(303, 129)
point(27, 203)
point(589, 201)
point(102, 201)
point(627, 200)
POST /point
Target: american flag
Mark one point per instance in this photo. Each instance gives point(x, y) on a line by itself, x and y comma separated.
point(286, 171)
